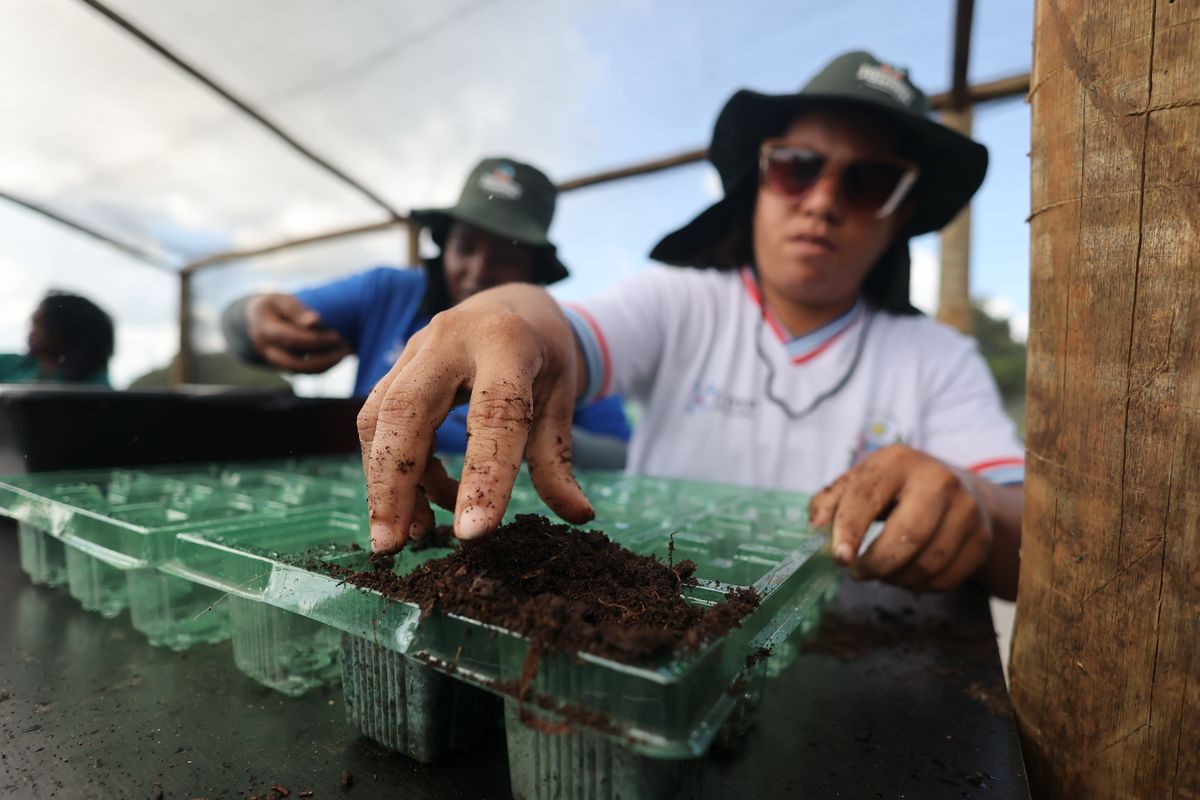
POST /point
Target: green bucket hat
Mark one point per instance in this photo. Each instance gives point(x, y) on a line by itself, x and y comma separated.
point(952, 165)
point(507, 198)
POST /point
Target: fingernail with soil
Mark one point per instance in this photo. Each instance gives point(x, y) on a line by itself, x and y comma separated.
point(844, 553)
point(380, 536)
point(472, 523)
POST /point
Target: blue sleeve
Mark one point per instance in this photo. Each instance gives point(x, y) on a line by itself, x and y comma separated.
point(605, 417)
point(451, 435)
point(345, 304)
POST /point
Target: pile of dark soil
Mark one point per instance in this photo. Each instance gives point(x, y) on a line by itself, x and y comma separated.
point(567, 589)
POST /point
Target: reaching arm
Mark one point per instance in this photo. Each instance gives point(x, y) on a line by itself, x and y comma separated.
point(237, 337)
point(279, 330)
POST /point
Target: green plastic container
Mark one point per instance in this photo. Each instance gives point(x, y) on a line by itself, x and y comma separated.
point(175, 613)
point(275, 641)
point(115, 527)
point(660, 719)
point(559, 766)
point(43, 557)
point(410, 707)
point(282, 650)
point(96, 583)
point(198, 546)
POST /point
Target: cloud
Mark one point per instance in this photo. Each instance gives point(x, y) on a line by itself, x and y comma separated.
point(997, 307)
point(1018, 327)
point(141, 348)
point(1004, 308)
point(925, 275)
point(337, 381)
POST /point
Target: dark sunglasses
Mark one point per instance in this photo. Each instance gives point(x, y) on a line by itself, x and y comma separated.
point(873, 185)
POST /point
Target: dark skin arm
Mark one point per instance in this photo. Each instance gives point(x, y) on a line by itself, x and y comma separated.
point(289, 335)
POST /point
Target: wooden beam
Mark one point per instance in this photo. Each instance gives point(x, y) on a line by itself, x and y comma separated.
point(1005, 88)
point(181, 368)
point(954, 284)
point(964, 13)
point(1105, 671)
point(644, 168)
point(988, 92)
point(414, 242)
point(79, 227)
point(240, 105)
point(327, 236)
point(1014, 86)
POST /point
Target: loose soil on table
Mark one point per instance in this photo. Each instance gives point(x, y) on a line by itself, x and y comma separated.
point(567, 589)
point(974, 652)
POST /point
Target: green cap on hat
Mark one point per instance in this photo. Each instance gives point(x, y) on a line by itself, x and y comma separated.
point(952, 165)
point(507, 198)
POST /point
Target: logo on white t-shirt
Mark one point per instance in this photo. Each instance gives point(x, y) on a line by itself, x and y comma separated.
point(881, 431)
point(711, 398)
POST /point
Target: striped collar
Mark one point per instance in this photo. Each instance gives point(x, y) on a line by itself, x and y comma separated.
point(802, 349)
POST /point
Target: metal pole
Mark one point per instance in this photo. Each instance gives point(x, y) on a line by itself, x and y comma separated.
point(241, 105)
point(181, 368)
point(414, 242)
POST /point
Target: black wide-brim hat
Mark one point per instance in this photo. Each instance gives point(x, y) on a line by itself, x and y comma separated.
point(509, 199)
point(951, 165)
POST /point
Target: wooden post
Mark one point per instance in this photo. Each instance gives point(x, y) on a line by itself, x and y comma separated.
point(181, 368)
point(414, 242)
point(1106, 654)
point(954, 286)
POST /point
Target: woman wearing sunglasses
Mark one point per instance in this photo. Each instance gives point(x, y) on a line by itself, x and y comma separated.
point(784, 353)
point(495, 234)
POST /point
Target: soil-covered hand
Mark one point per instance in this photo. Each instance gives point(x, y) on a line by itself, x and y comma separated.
point(512, 353)
point(289, 335)
point(937, 532)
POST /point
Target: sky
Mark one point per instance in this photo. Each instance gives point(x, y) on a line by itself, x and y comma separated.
point(406, 96)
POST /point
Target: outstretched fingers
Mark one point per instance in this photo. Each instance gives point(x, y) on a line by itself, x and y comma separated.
point(396, 431)
point(498, 423)
point(548, 454)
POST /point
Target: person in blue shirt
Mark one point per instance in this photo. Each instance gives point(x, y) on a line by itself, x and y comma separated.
point(496, 234)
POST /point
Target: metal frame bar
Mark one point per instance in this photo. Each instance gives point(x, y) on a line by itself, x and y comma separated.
point(1002, 89)
point(241, 105)
point(124, 247)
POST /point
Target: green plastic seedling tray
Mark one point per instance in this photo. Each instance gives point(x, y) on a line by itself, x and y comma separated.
point(43, 558)
point(410, 707)
point(671, 710)
point(275, 640)
point(109, 529)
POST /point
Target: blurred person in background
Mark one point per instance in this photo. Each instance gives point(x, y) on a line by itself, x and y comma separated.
point(495, 234)
point(70, 341)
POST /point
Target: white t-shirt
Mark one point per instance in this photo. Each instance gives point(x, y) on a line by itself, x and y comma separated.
point(696, 349)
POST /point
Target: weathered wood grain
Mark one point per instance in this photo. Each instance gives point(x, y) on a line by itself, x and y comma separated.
point(1106, 652)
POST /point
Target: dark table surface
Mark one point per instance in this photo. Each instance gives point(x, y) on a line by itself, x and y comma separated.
point(898, 697)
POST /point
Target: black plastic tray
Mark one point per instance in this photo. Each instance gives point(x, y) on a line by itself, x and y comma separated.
point(48, 427)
